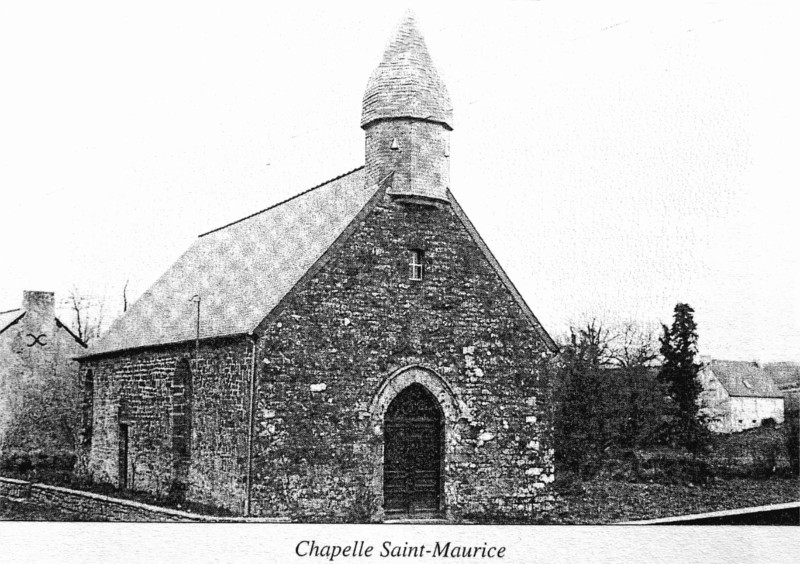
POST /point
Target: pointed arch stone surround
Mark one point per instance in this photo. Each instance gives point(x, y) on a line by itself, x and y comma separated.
point(454, 410)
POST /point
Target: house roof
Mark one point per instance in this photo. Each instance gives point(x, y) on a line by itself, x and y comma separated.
point(240, 271)
point(786, 375)
point(744, 379)
point(405, 83)
point(8, 318)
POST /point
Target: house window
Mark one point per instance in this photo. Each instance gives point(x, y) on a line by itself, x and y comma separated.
point(415, 266)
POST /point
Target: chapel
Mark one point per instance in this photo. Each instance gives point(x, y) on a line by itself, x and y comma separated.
point(354, 353)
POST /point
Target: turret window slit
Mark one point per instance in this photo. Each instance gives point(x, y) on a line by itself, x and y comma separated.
point(416, 264)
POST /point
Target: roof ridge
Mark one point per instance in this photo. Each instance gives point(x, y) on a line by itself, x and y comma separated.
point(283, 201)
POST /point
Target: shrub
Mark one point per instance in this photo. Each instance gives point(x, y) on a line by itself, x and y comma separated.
point(21, 462)
point(676, 470)
point(765, 461)
point(768, 422)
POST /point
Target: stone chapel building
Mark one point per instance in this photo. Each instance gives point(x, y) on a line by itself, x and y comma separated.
point(355, 352)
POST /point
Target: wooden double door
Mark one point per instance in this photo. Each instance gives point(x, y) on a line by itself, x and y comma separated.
point(413, 445)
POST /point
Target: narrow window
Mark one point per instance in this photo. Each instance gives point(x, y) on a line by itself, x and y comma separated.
point(415, 266)
point(88, 408)
point(182, 410)
point(123, 456)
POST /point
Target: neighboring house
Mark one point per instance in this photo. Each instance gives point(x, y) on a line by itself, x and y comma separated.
point(354, 352)
point(739, 395)
point(786, 376)
point(39, 390)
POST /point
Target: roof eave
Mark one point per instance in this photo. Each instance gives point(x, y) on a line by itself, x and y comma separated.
point(12, 322)
point(159, 346)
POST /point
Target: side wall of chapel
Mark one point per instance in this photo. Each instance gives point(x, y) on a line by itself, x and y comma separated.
point(147, 392)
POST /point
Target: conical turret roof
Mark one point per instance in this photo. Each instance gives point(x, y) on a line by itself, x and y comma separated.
point(405, 83)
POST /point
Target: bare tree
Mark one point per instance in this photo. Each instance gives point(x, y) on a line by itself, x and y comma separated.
point(125, 297)
point(87, 315)
point(634, 345)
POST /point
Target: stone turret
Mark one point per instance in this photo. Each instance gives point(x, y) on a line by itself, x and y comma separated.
point(407, 118)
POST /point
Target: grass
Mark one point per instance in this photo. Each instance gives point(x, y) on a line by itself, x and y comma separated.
point(597, 501)
point(745, 469)
point(12, 510)
point(603, 501)
point(66, 479)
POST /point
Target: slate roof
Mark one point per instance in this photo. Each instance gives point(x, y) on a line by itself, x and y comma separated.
point(786, 375)
point(744, 379)
point(241, 271)
point(8, 318)
point(405, 83)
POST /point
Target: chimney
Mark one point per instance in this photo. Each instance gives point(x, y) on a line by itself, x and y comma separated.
point(40, 311)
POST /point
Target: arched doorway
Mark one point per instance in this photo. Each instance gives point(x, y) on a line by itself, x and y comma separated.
point(412, 459)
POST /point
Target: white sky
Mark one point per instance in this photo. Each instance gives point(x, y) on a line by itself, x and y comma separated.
point(617, 157)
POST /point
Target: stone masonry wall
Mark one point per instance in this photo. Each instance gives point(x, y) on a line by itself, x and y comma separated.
point(747, 412)
point(139, 389)
point(340, 339)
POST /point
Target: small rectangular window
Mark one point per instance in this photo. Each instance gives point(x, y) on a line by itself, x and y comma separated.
point(415, 266)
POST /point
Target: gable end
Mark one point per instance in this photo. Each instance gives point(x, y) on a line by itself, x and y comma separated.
point(487, 253)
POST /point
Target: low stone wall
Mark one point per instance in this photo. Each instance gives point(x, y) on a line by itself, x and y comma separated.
point(100, 507)
point(9, 487)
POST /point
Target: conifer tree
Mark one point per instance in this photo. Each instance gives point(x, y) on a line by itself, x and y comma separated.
point(679, 374)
